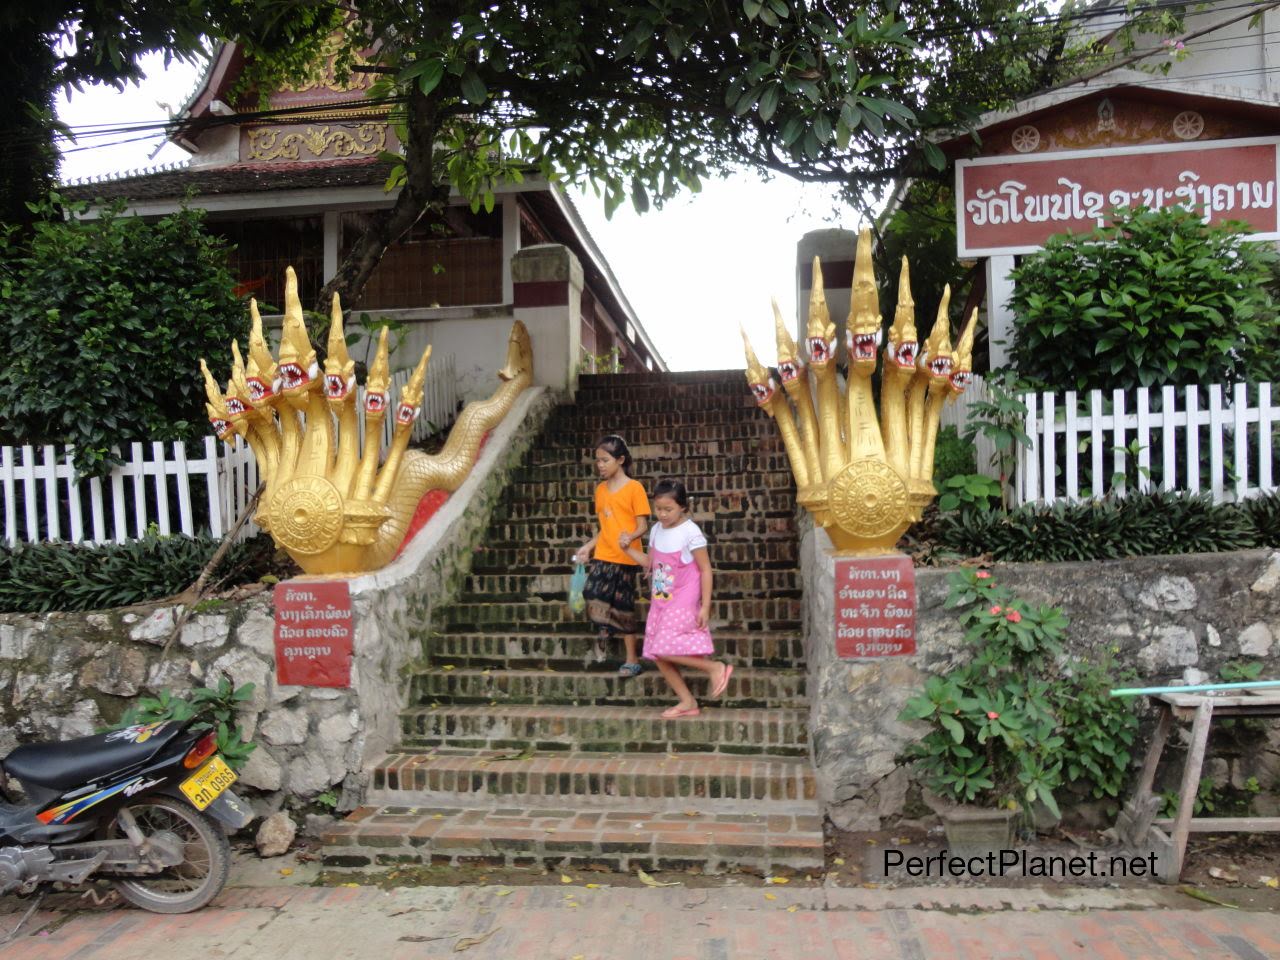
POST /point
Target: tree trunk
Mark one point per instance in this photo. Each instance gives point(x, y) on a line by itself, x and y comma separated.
point(29, 161)
point(419, 194)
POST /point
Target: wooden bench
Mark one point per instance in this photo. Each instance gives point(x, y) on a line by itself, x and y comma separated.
point(1138, 824)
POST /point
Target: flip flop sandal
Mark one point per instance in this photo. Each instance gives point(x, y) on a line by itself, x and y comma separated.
point(719, 688)
point(674, 713)
point(631, 670)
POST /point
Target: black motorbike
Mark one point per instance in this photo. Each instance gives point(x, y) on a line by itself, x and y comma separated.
point(140, 806)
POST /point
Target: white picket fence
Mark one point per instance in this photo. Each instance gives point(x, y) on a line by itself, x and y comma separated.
point(161, 483)
point(1209, 438)
point(956, 414)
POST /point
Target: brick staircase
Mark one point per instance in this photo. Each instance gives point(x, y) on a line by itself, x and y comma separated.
point(518, 748)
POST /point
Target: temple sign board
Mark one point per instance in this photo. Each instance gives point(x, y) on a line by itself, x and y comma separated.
point(1013, 204)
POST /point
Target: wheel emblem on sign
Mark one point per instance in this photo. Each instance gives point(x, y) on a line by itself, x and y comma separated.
point(1026, 138)
point(1188, 125)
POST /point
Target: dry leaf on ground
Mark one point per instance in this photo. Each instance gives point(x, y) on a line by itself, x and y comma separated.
point(648, 881)
point(466, 943)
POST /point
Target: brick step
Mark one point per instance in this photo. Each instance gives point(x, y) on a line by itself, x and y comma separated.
point(778, 614)
point(583, 489)
point(593, 780)
point(718, 503)
point(509, 557)
point(577, 531)
point(630, 730)
point(597, 425)
point(728, 584)
point(747, 688)
point(576, 467)
point(576, 651)
point(621, 840)
point(668, 450)
point(576, 437)
point(662, 377)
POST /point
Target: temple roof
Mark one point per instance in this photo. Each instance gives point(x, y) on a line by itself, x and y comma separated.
point(175, 183)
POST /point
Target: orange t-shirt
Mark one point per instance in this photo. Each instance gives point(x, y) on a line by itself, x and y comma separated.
point(617, 512)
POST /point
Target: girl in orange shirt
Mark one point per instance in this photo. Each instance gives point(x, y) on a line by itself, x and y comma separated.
point(622, 514)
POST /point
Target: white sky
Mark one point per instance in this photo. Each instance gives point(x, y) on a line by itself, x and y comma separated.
point(692, 270)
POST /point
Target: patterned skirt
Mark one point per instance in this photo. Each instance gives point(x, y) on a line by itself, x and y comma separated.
point(611, 597)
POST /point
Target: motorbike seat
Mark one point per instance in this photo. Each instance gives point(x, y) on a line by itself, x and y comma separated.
point(73, 763)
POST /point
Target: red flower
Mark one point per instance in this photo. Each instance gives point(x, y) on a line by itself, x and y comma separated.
point(1014, 616)
point(983, 575)
point(992, 715)
point(995, 611)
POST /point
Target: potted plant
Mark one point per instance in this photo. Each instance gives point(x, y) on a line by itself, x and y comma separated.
point(1016, 721)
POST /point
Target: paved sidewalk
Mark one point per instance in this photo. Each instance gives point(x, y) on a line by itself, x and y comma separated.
point(574, 922)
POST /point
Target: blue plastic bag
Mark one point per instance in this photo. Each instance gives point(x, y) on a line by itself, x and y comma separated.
point(577, 583)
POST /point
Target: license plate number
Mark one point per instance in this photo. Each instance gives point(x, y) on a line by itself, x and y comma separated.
point(206, 784)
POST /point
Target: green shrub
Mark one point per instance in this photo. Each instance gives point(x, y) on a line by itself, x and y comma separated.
point(1156, 298)
point(1018, 721)
point(969, 491)
point(39, 577)
point(1134, 526)
point(105, 322)
point(952, 455)
point(214, 708)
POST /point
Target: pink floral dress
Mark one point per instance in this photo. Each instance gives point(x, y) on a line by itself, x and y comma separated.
point(671, 628)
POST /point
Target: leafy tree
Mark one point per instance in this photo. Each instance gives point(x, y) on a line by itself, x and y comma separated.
point(105, 320)
point(64, 44)
point(1155, 298)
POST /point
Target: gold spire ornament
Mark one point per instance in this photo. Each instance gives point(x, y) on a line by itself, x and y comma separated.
point(328, 500)
point(864, 476)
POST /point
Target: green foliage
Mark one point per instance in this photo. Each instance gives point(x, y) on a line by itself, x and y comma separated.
point(952, 456)
point(39, 577)
point(1000, 419)
point(1240, 671)
point(610, 362)
point(328, 800)
point(1156, 298)
point(1016, 722)
point(214, 708)
point(1224, 801)
point(1137, 525)
point(105, 323)
point(969, 491)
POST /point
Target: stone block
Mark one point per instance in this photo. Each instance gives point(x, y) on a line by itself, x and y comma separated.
point(157, 626)
point(262, 770)
point(1255, 640)
point(285, 727)
point(1169, 594)
point(205, 630)
point(117, 670)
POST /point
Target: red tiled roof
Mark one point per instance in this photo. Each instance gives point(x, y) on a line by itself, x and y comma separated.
point(235, 178)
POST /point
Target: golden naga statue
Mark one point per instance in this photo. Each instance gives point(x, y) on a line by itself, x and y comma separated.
point(327, 501)
point(865, 477)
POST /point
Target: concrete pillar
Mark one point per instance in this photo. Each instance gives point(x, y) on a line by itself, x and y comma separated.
point(999, 314)
point(1270, 49)
point(510, 241)
point(332, 231)
point(547, 296)
point(836, 249)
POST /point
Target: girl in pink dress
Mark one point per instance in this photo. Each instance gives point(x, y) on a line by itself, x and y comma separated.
point(675, 632)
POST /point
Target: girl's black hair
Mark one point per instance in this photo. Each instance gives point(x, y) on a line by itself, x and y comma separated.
point(673, 489)
point(617, 448)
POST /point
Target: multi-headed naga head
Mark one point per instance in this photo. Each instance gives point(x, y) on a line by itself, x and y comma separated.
point(339, 368)
point(519, 355)
point(863, 474)
point(379, 379)
point(862, 332)
point(820, 335)
point(790, 366)
point(216, 407)
point(935, 359)
point(903, 343)
point(261, 375)
point(410, 405)
point(763, 386)
point(962, 369)
point(298, 372)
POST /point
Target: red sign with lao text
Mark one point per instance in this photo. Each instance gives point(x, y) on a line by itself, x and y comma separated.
point(875, 607)
point(314, 628)
point(1012, 204)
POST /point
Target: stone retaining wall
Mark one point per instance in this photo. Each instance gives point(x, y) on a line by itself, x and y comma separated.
point(1171, 619)
point(69, 674)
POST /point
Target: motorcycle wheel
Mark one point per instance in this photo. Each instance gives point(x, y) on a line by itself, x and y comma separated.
point(202, 873)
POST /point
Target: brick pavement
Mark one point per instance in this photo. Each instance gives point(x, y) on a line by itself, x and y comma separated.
point(574, 922)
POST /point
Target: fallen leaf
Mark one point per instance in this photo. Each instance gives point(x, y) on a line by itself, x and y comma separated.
point(437, 816)
point(466, 943)
point(414, 938)
point(1199, 895)
point(1271, 882)
point(691, 813)
point(771, 896)
point(792, 909)
point(648, 881)
point(777, 880)
point(565, 878)
point(525, 754)
point(872, 842)
point(573, 903)
point(447, 666)
point(286, 871)
point(351, 885)
point(838, 861)
point(871, 886)
point(504, 893)
point(593, 886)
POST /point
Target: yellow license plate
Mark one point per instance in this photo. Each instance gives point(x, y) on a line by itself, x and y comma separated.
point(206, 784)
